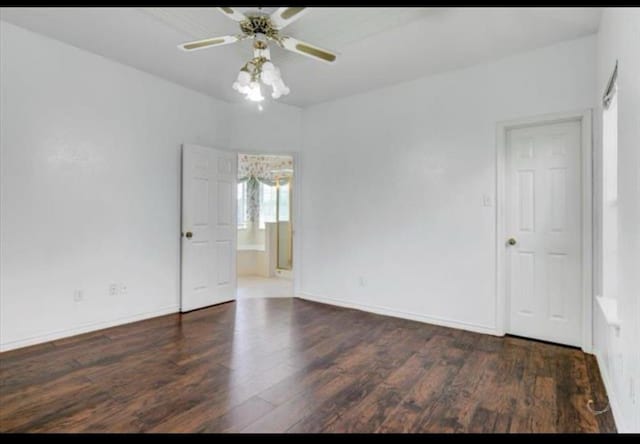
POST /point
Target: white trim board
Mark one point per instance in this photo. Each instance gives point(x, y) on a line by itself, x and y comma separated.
point(87, 328)
point(613, 402)
point(584, 117)
point(476, 328)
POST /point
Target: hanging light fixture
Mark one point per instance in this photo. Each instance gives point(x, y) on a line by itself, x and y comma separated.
point(263, 28)
point(258, 70)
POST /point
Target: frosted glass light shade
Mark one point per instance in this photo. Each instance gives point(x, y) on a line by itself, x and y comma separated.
point(244, 78)
point(267, 73)
point(255, 94)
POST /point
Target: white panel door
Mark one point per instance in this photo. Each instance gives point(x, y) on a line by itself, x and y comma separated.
point(544, 229)
point(208, 227)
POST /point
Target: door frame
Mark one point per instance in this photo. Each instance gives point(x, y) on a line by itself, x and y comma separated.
point(296, 214)
point(583, 116)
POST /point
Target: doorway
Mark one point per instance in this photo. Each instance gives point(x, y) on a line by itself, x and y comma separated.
point(544, 228)
point(265, 187)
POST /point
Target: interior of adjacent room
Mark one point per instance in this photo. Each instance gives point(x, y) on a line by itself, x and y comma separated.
point(265, 225)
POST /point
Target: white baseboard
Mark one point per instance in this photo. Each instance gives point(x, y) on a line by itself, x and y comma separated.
point(402, 314)
point(86, 328)
point(611, 394)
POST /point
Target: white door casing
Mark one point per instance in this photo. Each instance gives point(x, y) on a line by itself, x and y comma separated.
point(543, 209)
point(208, 227)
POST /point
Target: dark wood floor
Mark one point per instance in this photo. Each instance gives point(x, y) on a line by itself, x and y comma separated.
point(276, 365)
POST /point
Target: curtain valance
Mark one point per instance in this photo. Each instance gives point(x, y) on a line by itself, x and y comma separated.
point(264, 168)
point(255, 169)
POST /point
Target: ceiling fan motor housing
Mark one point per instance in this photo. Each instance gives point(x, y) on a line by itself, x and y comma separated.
point(259, 27)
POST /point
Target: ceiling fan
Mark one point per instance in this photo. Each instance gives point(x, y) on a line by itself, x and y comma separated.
point(263, 29)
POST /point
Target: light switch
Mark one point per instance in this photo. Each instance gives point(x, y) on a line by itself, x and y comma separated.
point(486, 200)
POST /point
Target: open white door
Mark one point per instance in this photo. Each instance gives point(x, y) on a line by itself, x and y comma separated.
point(208, 227)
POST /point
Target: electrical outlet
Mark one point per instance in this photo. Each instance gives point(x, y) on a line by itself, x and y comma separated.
point(123, 289)
point(486, 200)
point(78, 296)
point(113, 289)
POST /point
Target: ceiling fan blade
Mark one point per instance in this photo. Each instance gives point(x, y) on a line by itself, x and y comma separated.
point(233, 14)
point(285, 16)
point(308, 50)
point(208, 43)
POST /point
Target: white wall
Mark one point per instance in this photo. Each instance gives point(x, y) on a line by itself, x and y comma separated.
point(619, 356)
point(275, 129)
point(90, 184)
point(394, 180)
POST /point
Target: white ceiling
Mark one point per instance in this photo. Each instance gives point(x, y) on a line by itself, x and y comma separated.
point(376, 46)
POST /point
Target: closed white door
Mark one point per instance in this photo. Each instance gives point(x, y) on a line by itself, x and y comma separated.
point(208, 227)
point(544, 232)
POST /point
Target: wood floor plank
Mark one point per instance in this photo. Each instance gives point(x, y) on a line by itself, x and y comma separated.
point(240, 416)
point(339, 366)
point(423, 396)
point(460, 393)
point(374, 408)
point(386, 357)
point(282, 364)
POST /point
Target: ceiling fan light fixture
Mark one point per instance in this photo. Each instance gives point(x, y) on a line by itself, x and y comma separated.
point(244, 78)
point(279, 89)
point(263, 29)
point(268, 67)
point(268, 77)
point(254, 93)
point(260, 69)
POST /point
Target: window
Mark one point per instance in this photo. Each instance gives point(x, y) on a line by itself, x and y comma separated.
point(267, 205)
point(610, 190)
point(610, 150)
point(242, 205)
point(283, 210)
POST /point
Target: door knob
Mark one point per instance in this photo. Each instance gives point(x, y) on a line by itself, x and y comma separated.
point(189, 235)
point(511, 241)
